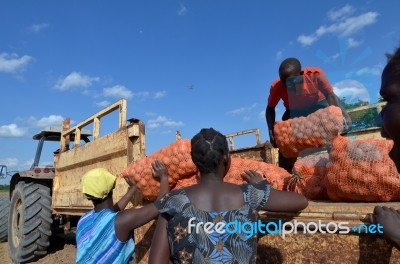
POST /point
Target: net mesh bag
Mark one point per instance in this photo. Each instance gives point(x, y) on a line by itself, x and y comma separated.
point(314, 131)
point(182, 172)
point(176, 158)
point(308, 176)
point(361, 170)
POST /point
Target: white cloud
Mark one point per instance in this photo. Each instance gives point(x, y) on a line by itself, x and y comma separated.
point(117, 91)
point(306, 40)
point(12, 130)
point(162, 121)
point(160, 94)
point(11, 63)
point(279, 55)
point(335, 56)
point(74, 80)
point(9, 162)
point(375, 71)
point(352, 90)
point(352, 43)
point(346, 27)
point(340, 13)
point(38, 27)
point(182, 10)
point(103, 103)
point(52, 120)
point(242, 110)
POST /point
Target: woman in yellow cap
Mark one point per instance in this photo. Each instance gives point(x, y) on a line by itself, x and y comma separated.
point(104, 235)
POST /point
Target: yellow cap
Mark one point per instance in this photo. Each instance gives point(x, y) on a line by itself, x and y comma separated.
point(98, 183)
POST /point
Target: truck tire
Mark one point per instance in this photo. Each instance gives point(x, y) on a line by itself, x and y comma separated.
point(4, 209)
point(29, 221)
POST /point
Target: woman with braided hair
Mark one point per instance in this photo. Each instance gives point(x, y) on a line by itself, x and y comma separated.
point(193, 223)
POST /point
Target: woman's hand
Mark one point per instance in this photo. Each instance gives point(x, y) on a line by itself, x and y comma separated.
point(129, 181)
point(252, 176)
point(159, 170)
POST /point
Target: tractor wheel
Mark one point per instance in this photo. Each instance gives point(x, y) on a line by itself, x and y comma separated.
point(4, 208)
point(29, 221)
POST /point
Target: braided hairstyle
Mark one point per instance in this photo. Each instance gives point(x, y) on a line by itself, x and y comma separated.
point(208, 149)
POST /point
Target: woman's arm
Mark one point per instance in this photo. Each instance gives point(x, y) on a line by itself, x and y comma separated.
point(278, 201)
point(132, 218)
point(285, 201)
point(123, 202)
point(159, 250)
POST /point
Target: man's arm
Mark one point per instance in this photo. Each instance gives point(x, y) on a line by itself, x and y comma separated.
point(326, 88)
point(270, 117)
point(334, 100)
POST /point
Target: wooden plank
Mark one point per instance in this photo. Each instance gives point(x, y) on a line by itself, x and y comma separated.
point(117, 105)
point(96, 128)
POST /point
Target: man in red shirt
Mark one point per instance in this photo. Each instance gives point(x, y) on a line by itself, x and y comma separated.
point(303, 92)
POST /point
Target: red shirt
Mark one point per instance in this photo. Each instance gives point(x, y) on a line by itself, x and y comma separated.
point(314, 88)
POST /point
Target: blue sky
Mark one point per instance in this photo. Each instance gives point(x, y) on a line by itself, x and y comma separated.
point(181, 65)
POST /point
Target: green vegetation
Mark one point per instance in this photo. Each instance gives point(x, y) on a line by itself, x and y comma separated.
point(4, 188)
point(360, 119)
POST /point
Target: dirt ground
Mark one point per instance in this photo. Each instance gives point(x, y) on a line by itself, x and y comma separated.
point(60, 251)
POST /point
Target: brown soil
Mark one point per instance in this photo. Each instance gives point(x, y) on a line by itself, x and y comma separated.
point(61, 251)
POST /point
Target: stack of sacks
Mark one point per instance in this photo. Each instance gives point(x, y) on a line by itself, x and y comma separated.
point(182, 172)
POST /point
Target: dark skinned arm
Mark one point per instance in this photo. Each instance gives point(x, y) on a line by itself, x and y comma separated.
point(123, 202)
point(389, 218)
point(278, 201)
point(159, 250)
point(334, 100)
point(127, 220)
point(270, 117)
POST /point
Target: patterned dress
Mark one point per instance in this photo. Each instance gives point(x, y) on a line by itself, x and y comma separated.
point(195, 245)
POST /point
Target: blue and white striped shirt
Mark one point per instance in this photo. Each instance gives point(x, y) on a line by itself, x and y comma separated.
point(97, 242)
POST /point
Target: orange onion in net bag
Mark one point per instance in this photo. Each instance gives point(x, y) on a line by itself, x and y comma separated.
point(314, 131)
point(187, 181)
point(183, 173)
point(308, 176)
point(274, 174)
point(361, 170)
point(176, 158)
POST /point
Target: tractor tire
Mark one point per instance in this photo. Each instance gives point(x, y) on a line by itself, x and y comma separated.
point(29, 221)
point(4, 209)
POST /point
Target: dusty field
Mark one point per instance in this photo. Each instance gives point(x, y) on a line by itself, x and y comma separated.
point(60, 251)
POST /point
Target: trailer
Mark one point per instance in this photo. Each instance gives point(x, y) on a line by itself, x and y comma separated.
point(49, 200)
